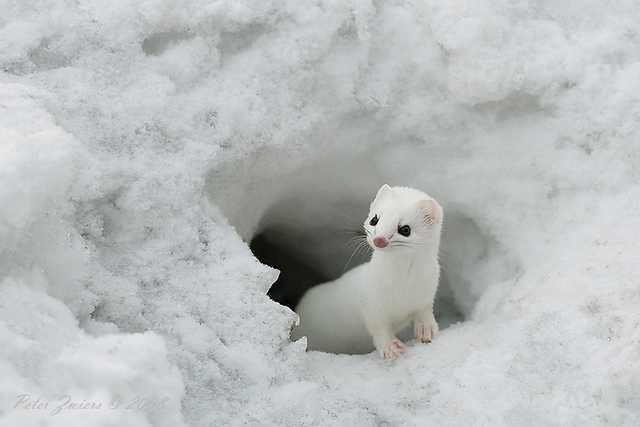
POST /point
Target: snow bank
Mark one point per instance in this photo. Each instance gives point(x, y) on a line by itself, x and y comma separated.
point(144, 144)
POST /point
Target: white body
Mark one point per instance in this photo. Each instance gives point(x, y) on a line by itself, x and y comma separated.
point(369, 304)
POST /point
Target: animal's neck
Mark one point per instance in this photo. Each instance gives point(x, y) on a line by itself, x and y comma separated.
point(405, 259)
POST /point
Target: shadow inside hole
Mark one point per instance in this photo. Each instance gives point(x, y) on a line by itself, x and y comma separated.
point(301, 269)
point(296, 275)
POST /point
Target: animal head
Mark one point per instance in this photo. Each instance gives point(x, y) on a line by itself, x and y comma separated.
point(402, 217)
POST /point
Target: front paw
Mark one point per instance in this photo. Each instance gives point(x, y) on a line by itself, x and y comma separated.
point(393, 349)
point(426, 331)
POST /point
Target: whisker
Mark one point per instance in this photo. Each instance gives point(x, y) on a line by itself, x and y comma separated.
point(362, 247)
point(408, 244)
point(352, 232)
point(366, 248)
point(355, 242)
point(355, 239)
point(356, 250)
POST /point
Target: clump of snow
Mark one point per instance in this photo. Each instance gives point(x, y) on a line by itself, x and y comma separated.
point(141, 142)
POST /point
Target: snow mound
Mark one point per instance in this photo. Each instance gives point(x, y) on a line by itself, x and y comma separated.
point(145, 145)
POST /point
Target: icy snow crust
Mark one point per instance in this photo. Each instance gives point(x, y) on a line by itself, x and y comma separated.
point(142, 141)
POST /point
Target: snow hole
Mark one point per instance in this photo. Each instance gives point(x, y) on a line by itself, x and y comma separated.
point(301, 220)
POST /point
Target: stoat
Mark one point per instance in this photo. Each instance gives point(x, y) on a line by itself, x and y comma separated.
point(367, 306)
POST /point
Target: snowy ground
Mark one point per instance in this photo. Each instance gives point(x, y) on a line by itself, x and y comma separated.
point(143, 143)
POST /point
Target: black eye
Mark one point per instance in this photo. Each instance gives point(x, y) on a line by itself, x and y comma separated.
point(405, 230)
point(374, 220)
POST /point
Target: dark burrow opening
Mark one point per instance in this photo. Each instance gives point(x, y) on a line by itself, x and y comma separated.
point(300, 269)
point(302, 221)
point(296, 275)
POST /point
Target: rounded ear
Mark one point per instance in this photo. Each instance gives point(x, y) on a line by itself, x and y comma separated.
point(385, 189)
point(431, 210)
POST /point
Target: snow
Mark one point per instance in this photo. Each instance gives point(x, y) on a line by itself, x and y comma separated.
point(144, 143)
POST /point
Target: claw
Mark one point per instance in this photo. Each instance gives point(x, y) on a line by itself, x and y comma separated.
point(394, 349)
point(425, 333)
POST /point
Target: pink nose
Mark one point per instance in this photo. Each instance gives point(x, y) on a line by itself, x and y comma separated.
point(380, 242)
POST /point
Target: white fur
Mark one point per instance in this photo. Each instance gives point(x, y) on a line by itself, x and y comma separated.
point(369, 304)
